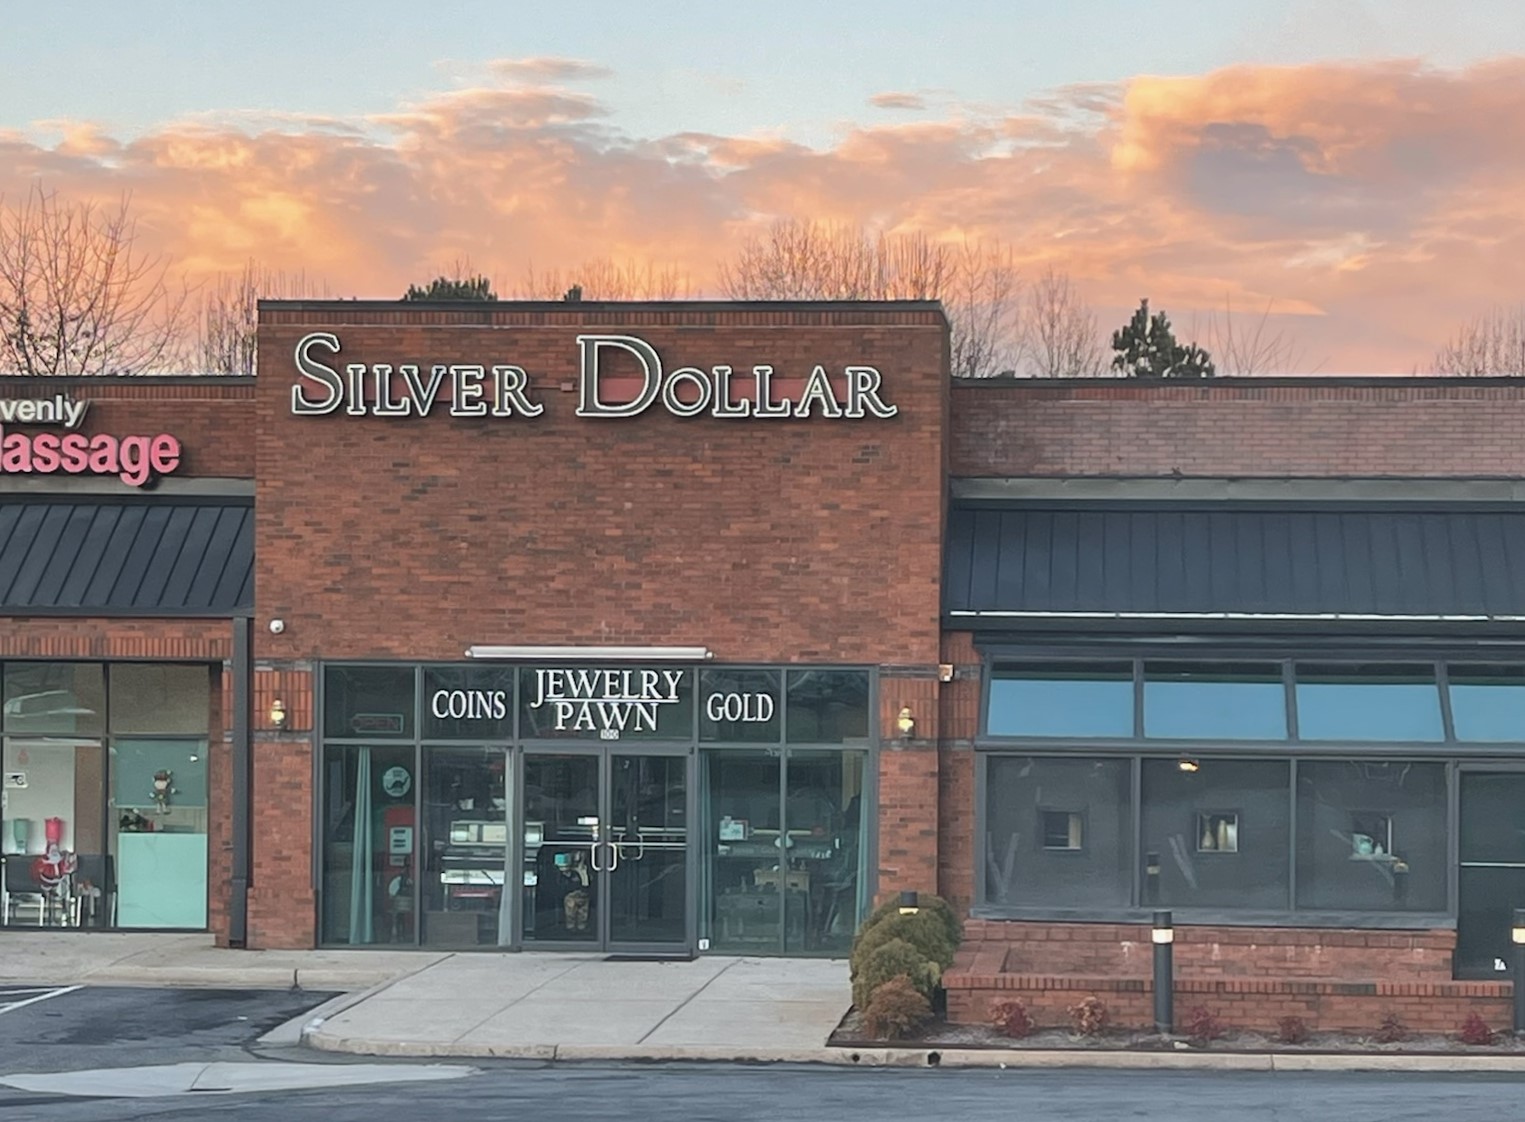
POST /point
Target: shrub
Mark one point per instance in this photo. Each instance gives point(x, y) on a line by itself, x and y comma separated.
point(1089, 1016)
point(891, 960)
point(895, 1009)
point(1010, 1018)
point(923, 931)
point(1202, 1025)
point(1292, 1030)
point(1474, 1030)
point(1391, 1030)
point(926, 903)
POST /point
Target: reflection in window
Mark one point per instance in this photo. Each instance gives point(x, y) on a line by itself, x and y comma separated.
point(739, 705)
point(368, 701)
point(1062, 829)
point(1371, 836)
point(66, 698)
point(160, 698)
point(827, 706)
point(1218, 833)
point(1488, 702)
point(1021, 869)
point(1193, 700)
point(1061, 700)
point(1368, 702)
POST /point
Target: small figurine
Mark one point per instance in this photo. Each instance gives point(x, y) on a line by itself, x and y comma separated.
point(163, 789)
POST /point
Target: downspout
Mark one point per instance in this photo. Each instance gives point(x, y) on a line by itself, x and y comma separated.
point(243, 775)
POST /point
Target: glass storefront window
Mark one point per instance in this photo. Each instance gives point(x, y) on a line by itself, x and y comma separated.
point(1487, 702)
point(160, 698)
point(1371, 836)
point(465, 845)
point(368, 844)
point(468, 703)
point(606, 703)
point(828, 707)
point(739, 799)
point(1216, 836)
point(369, 702)
point(740, 706)
point(1204, 700)
point(1376, 701)
point(1061, 700)
point(1022, 796)
point(56, 699)
point(561, 900)
point(53, 852)
point(824, 845)
point(159, 831)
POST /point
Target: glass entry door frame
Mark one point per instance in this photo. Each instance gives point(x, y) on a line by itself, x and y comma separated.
point(1465, 905)
point(609, 850)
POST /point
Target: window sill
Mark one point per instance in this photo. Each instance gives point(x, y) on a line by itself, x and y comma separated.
point(1206, 917)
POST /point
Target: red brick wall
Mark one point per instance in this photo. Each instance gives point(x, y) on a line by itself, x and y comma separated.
point(1253, 427)
point(212, 417)
point(767, 541)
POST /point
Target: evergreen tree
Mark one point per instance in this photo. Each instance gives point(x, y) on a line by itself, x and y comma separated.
point(456, 288)
point(1147, 348)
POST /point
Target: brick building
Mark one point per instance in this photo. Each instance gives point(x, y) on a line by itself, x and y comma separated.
point(693, 628)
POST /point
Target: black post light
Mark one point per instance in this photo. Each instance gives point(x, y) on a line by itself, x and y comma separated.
point(909, 905)
point(1164, 937)
point(1517, 934)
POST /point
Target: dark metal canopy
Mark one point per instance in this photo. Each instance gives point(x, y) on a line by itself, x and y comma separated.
point(126, 557)
point(1267, 561)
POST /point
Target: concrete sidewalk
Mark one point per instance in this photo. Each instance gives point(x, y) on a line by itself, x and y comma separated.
point(565, 1006)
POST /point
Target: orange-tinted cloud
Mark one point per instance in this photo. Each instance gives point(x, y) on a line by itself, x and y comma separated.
point(893, 100)
point(1373, 206)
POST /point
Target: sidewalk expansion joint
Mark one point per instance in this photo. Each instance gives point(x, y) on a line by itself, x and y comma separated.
point(684, 1003)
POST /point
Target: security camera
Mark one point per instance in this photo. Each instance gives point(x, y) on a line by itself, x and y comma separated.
point(277, 626)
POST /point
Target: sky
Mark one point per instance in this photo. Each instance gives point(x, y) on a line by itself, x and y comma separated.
point(1352, 167)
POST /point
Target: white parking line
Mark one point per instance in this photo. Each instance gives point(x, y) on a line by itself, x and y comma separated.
point(37, 995)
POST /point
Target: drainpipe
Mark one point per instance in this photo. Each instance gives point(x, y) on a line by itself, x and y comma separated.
point(242, 763)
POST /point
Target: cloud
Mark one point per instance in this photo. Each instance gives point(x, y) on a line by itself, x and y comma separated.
point(539, 70)
point(1371, 207)
point(891, 100)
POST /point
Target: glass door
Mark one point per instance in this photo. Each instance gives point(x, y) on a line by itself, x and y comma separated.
point(1492, 875)
point(605, 852)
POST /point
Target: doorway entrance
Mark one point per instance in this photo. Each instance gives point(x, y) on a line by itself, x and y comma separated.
point(1492, 875)
point(605, 851)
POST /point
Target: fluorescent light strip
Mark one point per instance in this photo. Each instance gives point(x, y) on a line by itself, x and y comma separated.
point(592, 654)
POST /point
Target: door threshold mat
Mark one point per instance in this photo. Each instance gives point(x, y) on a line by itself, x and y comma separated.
point(683, 957)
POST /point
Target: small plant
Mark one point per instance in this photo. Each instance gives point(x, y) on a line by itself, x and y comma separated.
point(1202, 1025)
point(1292, 1030)
point(1474, 1030)
point(1391, 1030)
point(924, 931)
point(891, 960)
point(1089, 1016)
point(1011, 1018)
point(896, 1009)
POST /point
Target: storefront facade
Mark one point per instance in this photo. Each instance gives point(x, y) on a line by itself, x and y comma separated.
point(697, 628)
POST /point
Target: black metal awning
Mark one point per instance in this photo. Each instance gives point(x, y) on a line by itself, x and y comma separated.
point(1254, 562)
point(126, 558)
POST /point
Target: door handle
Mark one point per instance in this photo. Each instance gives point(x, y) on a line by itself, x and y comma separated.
point(593, 857)
point(614, 853)
point(640, 846)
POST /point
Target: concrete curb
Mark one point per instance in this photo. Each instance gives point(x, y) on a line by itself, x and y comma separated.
point(921, 1058)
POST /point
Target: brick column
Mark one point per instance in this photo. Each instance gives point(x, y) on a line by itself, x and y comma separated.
point(908, 782)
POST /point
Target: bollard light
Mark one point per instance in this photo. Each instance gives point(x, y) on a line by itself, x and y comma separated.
point(1517, 934)
point(1164, 936)
point(908, 904)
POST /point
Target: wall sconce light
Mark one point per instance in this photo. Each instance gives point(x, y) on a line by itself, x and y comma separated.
point(1187, 764)
point(945, 671)
point(905, 722)
point(278, 713)
point(909, 904)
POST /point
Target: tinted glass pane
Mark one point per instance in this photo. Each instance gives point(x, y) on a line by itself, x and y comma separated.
point(741, 907)
point(1367, 702)
point(368, 701)
point(1492, 826)
point(740, 705)
point(55, 697)
point(1091, 699)
point(1216, 836)
point(1371, 836)
point(606, 703)
point(828, 706)
point(1196, 700)
point(160, 698)
point(369, 884)
point(465, 845)
point(160, 831)
point(824, 848)
point(1488, 702)
point(468, 702)
point(1023, 796)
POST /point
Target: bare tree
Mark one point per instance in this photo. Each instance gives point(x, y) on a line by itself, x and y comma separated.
point(606, 279)
point(227, 315)
point(1252, 345)
point(978, 284)
point(1063, 340)
point(1493, 343)
point(77, 295)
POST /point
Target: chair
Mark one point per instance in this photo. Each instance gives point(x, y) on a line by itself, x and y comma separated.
point(18, 888)
point(92, 898)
